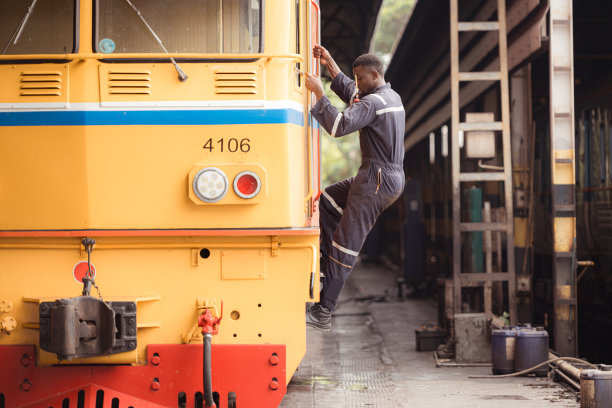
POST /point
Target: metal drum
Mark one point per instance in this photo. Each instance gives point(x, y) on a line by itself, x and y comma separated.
point(531, 349)
point(596, 387)
point(502, 350)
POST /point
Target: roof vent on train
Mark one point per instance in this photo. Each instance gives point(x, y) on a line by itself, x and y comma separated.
point(129, 82)
point(235, 82)
point(41, 83)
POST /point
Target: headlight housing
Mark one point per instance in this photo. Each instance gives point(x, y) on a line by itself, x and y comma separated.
point(210, 184)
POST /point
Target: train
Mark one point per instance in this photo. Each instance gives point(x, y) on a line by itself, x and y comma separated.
point(159, 171)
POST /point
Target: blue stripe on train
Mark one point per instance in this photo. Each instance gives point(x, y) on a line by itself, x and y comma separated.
point(152, 117)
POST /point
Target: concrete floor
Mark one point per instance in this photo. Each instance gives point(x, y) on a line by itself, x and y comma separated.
point(369, 359)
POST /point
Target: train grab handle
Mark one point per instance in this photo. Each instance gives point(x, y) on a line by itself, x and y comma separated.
point(152, 55)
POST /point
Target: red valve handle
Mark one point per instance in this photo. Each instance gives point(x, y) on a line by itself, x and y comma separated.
point(210, 323)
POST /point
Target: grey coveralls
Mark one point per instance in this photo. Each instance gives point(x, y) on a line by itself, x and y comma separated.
point(349, 208)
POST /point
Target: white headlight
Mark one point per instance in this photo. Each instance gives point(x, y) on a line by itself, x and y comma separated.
point(210, 184)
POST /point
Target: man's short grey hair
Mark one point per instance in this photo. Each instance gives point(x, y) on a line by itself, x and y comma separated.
point(371, 61)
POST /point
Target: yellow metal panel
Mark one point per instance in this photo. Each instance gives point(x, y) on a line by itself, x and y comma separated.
point(243, 264)
point(86, 23)
point(110, 178)
point(564, 154)
point(298, 165)
point(520, 232)
point(563, 173)
point(271, 309)
point(43, 178)
point(564, 234)
point(31, 83)
point(205, 80)
point(564, 291)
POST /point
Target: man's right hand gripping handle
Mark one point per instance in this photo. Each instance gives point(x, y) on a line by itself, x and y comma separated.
point(320, 52)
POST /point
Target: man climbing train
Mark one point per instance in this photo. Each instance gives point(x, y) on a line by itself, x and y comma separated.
point(349, 208)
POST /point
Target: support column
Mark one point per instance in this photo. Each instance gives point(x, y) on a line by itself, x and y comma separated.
point(521, 125)
point(563, 177)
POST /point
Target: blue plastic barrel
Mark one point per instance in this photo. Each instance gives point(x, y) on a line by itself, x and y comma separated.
point(503, 343)
point(596, 387)
point(531, 349)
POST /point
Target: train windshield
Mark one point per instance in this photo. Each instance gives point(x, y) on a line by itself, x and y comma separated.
point(37, 26)
point(188, 26)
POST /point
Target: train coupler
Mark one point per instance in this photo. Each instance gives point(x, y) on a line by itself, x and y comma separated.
point(87, 327)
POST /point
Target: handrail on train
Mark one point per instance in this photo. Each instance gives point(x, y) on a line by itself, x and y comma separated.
point(102, 57)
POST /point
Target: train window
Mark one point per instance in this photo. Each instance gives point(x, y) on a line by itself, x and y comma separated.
point(37, 27)
point(189, 26)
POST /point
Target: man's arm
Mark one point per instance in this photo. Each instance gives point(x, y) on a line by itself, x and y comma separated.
point(355, 117)
point(342, 86)
point(345, 88)
point(314, 85)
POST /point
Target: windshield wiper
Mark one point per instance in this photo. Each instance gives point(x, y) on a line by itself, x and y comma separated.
point(181, 73)
point(17, 34)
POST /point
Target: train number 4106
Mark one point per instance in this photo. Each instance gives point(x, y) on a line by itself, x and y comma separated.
point(232, 145)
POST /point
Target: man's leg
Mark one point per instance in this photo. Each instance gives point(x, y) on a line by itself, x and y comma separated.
point(331, 207)
point(356, 223)
point(365, 201)
point(364, 204)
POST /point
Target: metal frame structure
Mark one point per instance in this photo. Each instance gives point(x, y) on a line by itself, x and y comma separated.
point(481, 279)
point(425, 87)
point(347, 28)
point(563, 176)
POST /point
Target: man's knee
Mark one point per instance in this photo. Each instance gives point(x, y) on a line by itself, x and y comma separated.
point(330, 205)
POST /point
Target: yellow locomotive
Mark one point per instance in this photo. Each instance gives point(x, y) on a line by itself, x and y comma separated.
point(158, 173)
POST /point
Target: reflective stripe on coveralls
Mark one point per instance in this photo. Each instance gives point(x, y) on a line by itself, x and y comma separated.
point(332, 202)
point(336, 123)
point(343, 249)
point(386, 110)
point(381, 98)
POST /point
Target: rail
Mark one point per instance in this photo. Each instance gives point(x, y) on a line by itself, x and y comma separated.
point(148, 56)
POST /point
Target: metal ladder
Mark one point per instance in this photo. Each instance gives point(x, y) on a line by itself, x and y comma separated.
point(484, 280)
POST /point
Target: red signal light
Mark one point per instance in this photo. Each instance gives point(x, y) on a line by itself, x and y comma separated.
point(247, 184)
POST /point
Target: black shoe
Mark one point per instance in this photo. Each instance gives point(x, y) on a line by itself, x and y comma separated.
point(319, 317)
